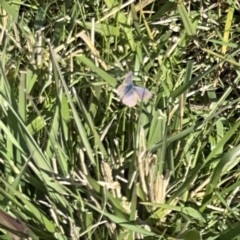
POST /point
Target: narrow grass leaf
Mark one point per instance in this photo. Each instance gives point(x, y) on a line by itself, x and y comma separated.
point(222, 142)
point(118, 209)
point(103, 29)
point(230, 234)
point(10, 10)
point(227, 58)
point(29, 207)
point(10, 136)
point(228, 25)
point(186, 185)
point(228, 44)
point(104, 75)
point(98, 142)
point(190, 235)
point(36, 125)
point(226, 159)
point(189, 27)
point(38, 156)
point(75, 113)
point(41, 16)
point(188, 84)
point(191, 212)
point(123, 222)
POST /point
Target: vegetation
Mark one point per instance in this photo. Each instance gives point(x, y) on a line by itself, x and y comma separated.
point(76, 163)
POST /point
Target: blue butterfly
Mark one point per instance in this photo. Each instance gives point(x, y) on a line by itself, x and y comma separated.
point(130, 94)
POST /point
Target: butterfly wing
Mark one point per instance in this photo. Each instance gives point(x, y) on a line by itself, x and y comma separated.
point(142, 93)
point(130, 98)
point(128, 79)
point(127, 85)
point(121, 90)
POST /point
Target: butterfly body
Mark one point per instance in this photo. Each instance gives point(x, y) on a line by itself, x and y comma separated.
point(131, 94)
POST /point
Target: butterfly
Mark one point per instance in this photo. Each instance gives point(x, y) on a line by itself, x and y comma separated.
point(130, 94)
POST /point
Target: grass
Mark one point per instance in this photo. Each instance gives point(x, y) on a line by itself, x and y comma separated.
point(78, 164)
